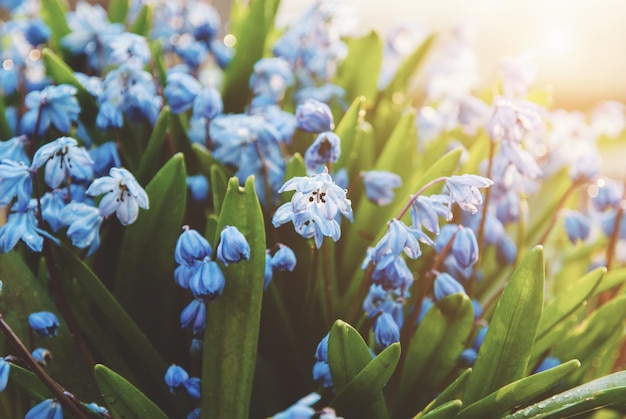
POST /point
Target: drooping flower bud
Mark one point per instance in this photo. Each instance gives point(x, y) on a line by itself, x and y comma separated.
point(233, 246)
point(44, 323)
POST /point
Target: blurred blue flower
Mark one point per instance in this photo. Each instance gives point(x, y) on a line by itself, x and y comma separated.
point(47, 409)
point(271, 78)
point(21, 225)
point(5, 369)
point(325, 149)
point(194, 414)
point(192, 52)
point(269, 272)
point(233, 246)
point(83, 223)
point(284, 259)
point(208, 103)
point(577, 226)
point(393, 275)
point(301, 409)
point(16, 181)
point(446, 235)
point(609, 194)
point(175, 377)
point(468, 356)
point(104, 157)
point(386, 331)
point(465, 247)
point(313, 207)
point(128, 48)
point(42, 355)
point(123, 195)
point(547, 363)
point(198, 186)
point(314, 116)
point(192, 385)
point(426, 305)
point(283, 121)
point(207, 280)
point(190, 247)
point(446, 285)
point(43, 323)
point(426, 210)
point(37, 32)
point(379, 185)
point(180, 91)
point(321, 370)
point(463, 190)
point(194, 316)
point(506, 251)
point(15, 149)
point(99, 410)
point(54, 105)
point(63, 157)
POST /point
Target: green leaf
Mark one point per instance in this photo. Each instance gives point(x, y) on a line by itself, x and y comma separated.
point(53, 14)
point(219, 185)
point(143, 21)
point(158, 58)
point(433, 351)
point(603, 392)
point(367, 384)
point(5, 128)
point(358, 79)
point(29, 382)
point(519, 392)
point(118, 10)
point(613, 278)
point(150, 159)
point(449, 394)
point(346, 131)
point(505, 352)
point(249, 49)
point(232, 329)
point(567, 301)
point(348, 354)
point(146, 266)
point(448, 410)
point(23, 294)
point(122, 398)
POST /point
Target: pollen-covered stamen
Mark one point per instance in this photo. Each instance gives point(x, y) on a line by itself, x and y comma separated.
point(318, 197)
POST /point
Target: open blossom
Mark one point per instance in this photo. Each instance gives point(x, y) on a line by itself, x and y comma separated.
point(124, 195)
point(464, 191)
point(314, 207)
point(63, 157)
point(54, 105)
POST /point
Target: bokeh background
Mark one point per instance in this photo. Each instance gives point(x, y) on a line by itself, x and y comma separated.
point(579, 45)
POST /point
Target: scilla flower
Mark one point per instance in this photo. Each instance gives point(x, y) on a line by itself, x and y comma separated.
point(16, 181)
point(464, 191)
point(63, 158)
point(233, 246)
point(284, 259)
point(314, 116)
point(48, 409)
point(386, 331)
point(313, 207)
point(175, 377)
point(194, 317)
point(379, 185)
point(5, 369)
point(42, 355)
point(84, 223)
point(325, 149)
point(321, 370)
point(54, 105)
point(44, 323)
point(446, 285)
point(124, 195)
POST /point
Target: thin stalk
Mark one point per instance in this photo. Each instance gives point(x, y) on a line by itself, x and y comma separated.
point(555, 213)
point(481, 227)
point(64, 397)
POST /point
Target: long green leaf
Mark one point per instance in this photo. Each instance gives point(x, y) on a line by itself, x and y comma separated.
point(346, 130)
point(505, 352)
point(449, 394)
point(603, 392)
point(367, 384)
point(358, 79)
point(53, 13)
point(29, 382)
point(142, 22)
point(433, 351)
point(519, 392)
point(118, 10)
point(230, 341)
point(122, 398)
point(448, 410)
point(151, 157)
point(145, 270)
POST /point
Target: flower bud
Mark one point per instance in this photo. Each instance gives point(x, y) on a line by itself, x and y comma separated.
point(191, 246)
point(207, 281)
point(192, 386)
point(42, 355)
point(194, 317)
point(233, 246)
point(325, 149)
point(44, 323)
point(284, 259)
point(446, 285)
point(48, 408)
point(576, 226)
point(465, 247)
point(379, 185)
point(175, 377)
point(5, 369)
point(314, 116)
point(468, 356)
point(386, 330)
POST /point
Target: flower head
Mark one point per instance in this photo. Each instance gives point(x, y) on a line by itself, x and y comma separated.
point(48, 409)
point(446, 285)
point(44, 323)
point(54, 105)
point(63, 157)
point(175, 377)
point(314, 116)
point(233, 246)
point(386, 331)
point(83, 223)
point(194, 316)
point(464, 191)
point(284, 259)
point(325, 149)
point(5, 368)
point(207, 280)
point(124, 195)
point(190, 247)
point(379, 185)
point(16, 181)
point(42, 355)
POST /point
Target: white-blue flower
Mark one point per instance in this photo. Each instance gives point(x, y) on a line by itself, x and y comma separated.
point(124, 195)
point(63, 157)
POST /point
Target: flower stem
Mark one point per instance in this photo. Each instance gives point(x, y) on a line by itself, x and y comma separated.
point(481, 227)
point(418, 193)
point(64, 397)
point(555, 213)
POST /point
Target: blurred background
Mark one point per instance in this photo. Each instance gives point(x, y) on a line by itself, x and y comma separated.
point(579, 45)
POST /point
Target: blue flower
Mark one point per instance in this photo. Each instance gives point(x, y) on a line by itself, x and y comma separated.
point(15, 149)
point(271, 78)
point(208, 103)
point(463, 190)
point(175, 377)
point(42, 355)
point(16, 180)
point(207, 280)
point(128, 48)
point(325, 149)
point(194, 317)
point(577, 226)
point(446, 235)
point(83, 223)
point(480, 337)
point(205, 22)
point(468, 356)
point(269, 272)
point(192, 52)
point(301, 409)
point(43, 323)
point(192, 385)
point(386, 331)
point(99, 410)
point(393, 275)
point(198, 186)
point(233, 246)
point(284, 259)
point(124, 195)
point(63, 158)
point(398, 238)
point(321, 370)
point(427, 304)
point(609, 194)
point(37, 32)
point(426, 210)
point(379, 185)
point(194, 414)
point(21, 225)
point(283, 121)
point(547, 363)
point(446, 285)
point(191, 247)
point(314, 116)
point(181, 91)
point(104, 157)
point(5, 369)
point(313, 207)
point(47, 409)
point(465, 247)
point(54, 105)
